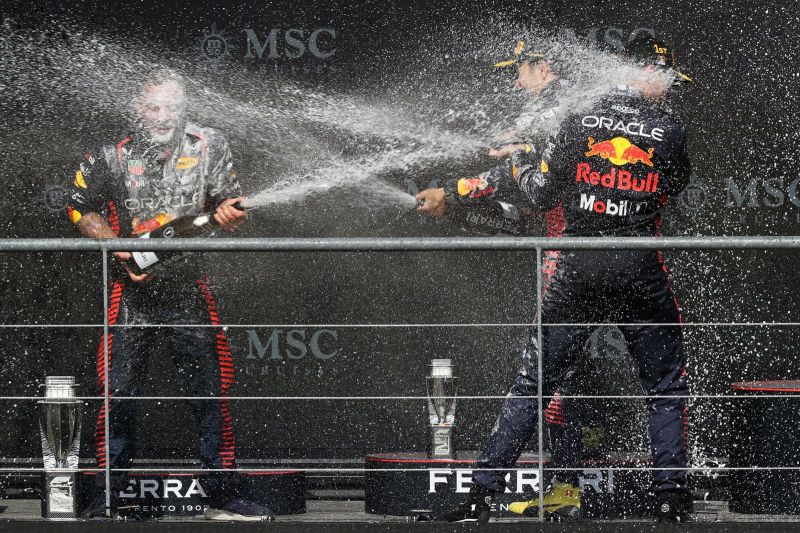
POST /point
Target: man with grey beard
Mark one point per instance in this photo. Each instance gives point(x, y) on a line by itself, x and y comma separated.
point(166, 168)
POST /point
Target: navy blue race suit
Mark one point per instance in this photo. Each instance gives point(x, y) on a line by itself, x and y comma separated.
point(612, 168)
point(492, 202)
point(476, 199)
point(137, 185)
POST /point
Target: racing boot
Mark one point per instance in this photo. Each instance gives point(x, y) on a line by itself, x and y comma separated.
point(240, 510)
point(674, 505)
point(96, 509)
point(476, 508)
point(561, 500)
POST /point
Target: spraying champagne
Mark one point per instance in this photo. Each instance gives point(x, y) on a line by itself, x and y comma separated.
point(482, 215)
point(190, 226)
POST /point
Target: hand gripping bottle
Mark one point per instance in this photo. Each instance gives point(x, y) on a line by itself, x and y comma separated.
point(184, 227)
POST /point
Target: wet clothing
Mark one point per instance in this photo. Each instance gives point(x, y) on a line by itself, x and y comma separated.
point(201, 356)
point(492, 202)
point(612, 168)
point(132, 183)
point(133, 178)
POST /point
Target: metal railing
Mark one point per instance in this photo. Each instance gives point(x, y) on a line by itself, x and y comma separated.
point(426, 244)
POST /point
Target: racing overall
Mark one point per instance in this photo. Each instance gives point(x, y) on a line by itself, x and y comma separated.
point(612, 168)
point(539, 120)
point(137, 186)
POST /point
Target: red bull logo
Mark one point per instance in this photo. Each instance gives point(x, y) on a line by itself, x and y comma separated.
point(617, 179)
point(474, 187)
point(620, 151)
point(184, 163)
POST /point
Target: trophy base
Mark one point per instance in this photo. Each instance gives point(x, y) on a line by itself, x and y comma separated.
point(61, 495)
point(158, 495)
point(413, 484)
point(441, 443)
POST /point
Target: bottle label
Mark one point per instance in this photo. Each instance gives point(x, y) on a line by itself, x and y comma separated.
point(202, 220)
point(145, 259)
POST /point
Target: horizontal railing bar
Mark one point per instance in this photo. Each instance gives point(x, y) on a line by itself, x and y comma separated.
point(420, 398)
point(271, 461)
point(428, 469)
point(420, 325)
point(367, 244)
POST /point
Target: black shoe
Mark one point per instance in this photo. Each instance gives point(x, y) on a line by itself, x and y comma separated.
point(240, 510)
point(475, 508)
point(674, 506)
point(96, 509)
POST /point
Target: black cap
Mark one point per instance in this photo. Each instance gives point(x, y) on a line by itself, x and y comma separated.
point(652, 51)
point(522, 53)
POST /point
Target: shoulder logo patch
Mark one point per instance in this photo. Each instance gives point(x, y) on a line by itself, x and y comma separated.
point(186, 162)
point(79, 180)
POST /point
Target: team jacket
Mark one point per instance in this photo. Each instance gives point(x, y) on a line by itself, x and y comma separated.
point(493, 200)
point(613, 167)
point(135, 182)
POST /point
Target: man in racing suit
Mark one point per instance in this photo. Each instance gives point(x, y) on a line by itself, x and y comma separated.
point(165, 169)
point(502, 206)
point(612, 168)
point(494, 201)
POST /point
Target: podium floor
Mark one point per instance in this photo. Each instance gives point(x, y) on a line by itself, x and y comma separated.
point(342, 511)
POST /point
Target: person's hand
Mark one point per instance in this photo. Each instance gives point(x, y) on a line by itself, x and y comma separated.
point(506, 150)
point(123, 258)
point(434, 202)
point(228, 216)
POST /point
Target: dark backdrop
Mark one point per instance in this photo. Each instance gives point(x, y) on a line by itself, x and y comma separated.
point(741, 116)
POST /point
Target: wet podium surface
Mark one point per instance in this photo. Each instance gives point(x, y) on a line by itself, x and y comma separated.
point(334, 511)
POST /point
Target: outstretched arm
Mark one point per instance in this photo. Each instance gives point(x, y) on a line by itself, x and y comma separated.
point(224, 190)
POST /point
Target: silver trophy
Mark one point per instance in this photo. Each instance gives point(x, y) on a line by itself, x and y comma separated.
point(441, 407)
point(60, 427)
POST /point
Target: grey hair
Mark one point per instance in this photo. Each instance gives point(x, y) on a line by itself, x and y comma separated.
point(160, 75)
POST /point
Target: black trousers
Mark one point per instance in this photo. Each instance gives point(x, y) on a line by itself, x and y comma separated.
point(201, 356)
point(622, 287)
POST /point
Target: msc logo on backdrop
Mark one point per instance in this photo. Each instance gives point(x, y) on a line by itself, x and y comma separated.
point(292, 353)
point(275, 44)
point(293, 344)
point(55, 200)
point(693, 197)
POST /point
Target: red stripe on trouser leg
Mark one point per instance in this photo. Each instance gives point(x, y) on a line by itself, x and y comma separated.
point(669, 285)
point(554, 414)
point(685, 426)
point(228, 448)
point(100, 430)
point(555, 221)
point(113, 217)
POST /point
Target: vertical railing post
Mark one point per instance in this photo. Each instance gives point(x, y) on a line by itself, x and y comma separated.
point(106, 402)
point(539, 351)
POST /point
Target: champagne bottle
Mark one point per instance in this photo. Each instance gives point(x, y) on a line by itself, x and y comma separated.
point(184, 227)
point(488, 217)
